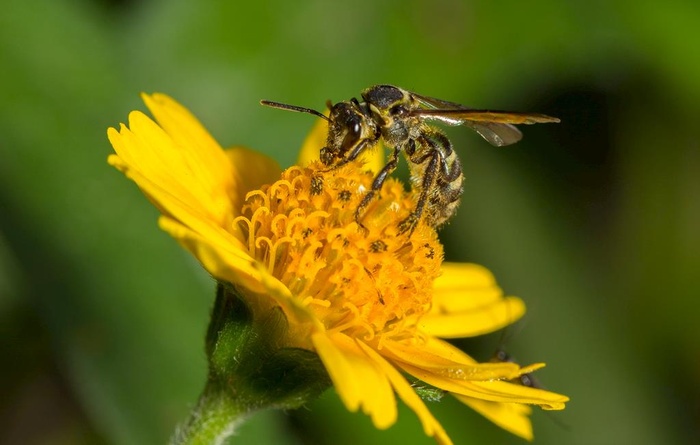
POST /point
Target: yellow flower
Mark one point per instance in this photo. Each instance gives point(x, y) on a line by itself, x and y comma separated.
point(373, 304)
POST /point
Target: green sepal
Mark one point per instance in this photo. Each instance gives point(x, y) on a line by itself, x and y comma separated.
point(230, 328)
point(250, 368)
point(246, 357)
point(290, 378)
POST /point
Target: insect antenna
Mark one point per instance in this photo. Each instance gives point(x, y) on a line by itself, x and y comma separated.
point(281, 106)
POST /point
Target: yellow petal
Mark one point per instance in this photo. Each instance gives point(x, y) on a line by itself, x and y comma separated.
point(431, 426)
point(375, 158)
point(440, 357)
point(205, 160)
point(220, 256)
point(179, 204)
point(230, 264)
point(467, 302)
point(145, 151)
point(512, 417)
point(254, 170)
point(357, 379)
point(313, 143)
point(301, 319)
point(444, 366)
point(463, 286)
point(186, 173)
point(524, 394)
point(495, 391)
point(184, 127)
point(475, 321)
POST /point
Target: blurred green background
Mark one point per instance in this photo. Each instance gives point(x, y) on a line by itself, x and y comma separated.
point(594, 222)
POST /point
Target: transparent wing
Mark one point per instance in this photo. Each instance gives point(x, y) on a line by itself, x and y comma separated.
point(461, 115)
point(496, 134)
point(494, 126)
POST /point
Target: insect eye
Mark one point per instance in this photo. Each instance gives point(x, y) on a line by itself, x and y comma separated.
point(398, 110)
point(356, 128)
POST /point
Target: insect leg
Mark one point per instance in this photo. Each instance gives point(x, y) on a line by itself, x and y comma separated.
point(443, 194)
point(435, 159)
point(377, 183)
point(357, 150)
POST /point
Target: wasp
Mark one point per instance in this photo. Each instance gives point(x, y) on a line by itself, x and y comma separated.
point(402, 119)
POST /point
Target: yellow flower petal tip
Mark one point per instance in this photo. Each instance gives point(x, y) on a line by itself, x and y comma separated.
point(368, 298)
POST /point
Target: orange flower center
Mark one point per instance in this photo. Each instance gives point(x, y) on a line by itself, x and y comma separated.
point(363, 281)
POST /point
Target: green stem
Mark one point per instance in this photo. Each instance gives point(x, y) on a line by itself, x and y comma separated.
point(213, 420)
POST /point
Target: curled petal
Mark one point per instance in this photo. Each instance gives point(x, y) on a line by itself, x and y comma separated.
point(475, 321)
point(431, 426)
point(221, 257)
point(442, 365)
point(439, 357)
point(467, 302)
point(494, 391)
point(457, 280)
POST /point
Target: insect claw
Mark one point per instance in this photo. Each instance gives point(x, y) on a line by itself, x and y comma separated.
point(361, 228)
point(409, 224)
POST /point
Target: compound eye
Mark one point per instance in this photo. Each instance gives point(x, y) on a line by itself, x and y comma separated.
point(398, 110)
point(353, 135)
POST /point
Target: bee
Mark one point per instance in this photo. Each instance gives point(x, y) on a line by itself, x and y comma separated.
point(402, 119)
